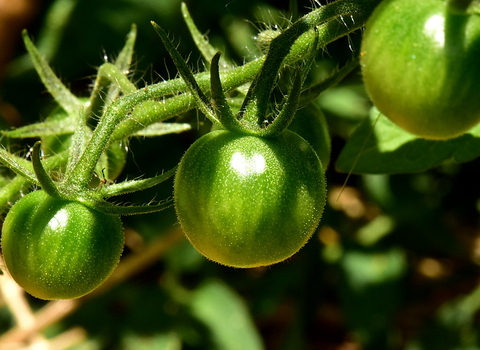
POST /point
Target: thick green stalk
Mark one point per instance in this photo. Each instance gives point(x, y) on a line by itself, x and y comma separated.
point(299, 38)
point(352, 14)
point(168, 108)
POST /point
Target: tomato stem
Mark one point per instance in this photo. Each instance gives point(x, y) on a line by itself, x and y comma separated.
point(283, 120)
point(117, 123)
point(181, 103)
point(108, 76)
point(350, 13)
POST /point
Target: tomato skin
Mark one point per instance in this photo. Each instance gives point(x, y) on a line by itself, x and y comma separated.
point(311, 124)
point(420, 67)
point(59, 249)
point(247, 201)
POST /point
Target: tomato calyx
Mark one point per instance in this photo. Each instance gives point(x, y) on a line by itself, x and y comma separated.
point(94, 198)
point(90, 151)
point(251, 119)
point(253, 193)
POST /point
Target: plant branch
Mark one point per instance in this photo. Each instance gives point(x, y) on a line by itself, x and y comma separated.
point(351, 13)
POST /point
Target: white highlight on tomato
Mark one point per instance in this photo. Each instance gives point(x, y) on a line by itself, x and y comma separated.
point(435, 29)
point(248, 165)
point(59, 220)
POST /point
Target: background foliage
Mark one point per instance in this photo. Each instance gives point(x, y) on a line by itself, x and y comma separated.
point(394, 264)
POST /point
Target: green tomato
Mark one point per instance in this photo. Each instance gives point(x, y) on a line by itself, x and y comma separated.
point(247, 201)
point(420, 67)
point(311, 124)
point(59, 249)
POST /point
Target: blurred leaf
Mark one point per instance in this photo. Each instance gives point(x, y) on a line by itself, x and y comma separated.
point(378, 146)
point(344, 101)
point(51, 33)
point(454, 326)
point(375, 230)
point(183, 257)
point(159, 341)
point(371, 293)
point(226, 316)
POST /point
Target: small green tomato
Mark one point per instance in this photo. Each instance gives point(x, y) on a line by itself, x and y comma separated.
point(59, 249)
point(248, 201)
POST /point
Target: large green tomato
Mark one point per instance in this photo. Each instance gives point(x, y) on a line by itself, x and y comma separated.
point(420, 64)
point(247, 201)
point(59, 249)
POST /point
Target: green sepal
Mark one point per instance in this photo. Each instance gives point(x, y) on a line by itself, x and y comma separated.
point(112, 79)
point(203, 45)
point(69, 102)
point(43, 178)
point(135, 185)
point(287, 113)
point(219, 101)
point(110, 208)
point(46, 128)
point(18, 165)
point(187, 75)
point(80, 138)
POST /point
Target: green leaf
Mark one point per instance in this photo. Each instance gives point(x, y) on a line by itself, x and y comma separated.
point(227, 317)
point(378, 146)
point(370, 291)
point(454, 327)
point(158, 341)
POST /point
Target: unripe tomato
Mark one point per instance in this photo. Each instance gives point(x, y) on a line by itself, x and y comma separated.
point(59, 249)
point(310, 123)
point(247, 201)
point(420, 64)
